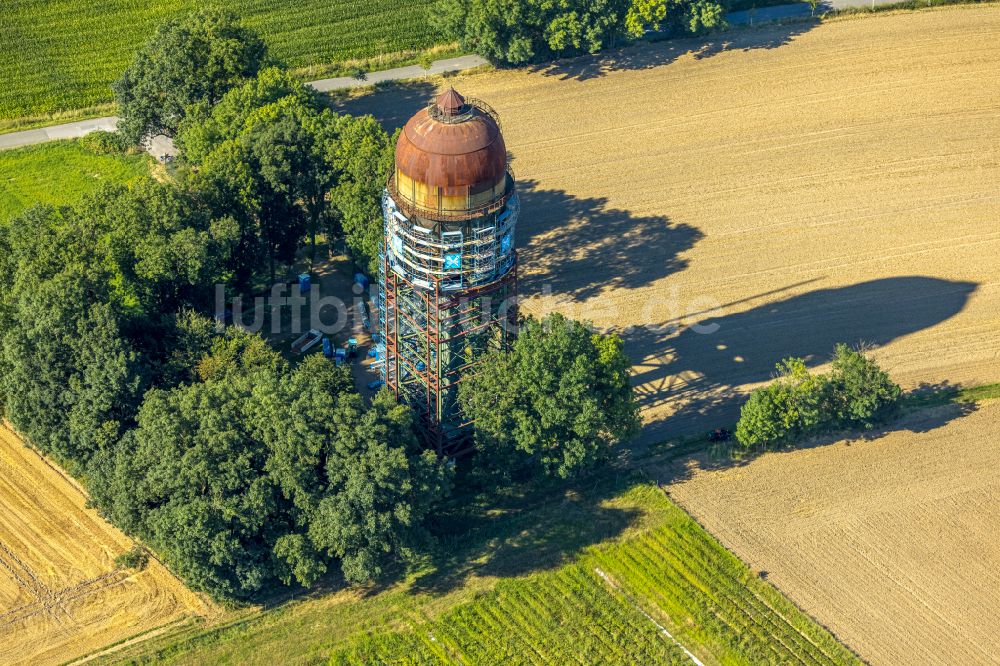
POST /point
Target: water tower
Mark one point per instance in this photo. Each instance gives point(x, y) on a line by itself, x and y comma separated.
point(448, 275)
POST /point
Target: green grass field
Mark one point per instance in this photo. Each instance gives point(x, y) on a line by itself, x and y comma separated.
point(525, 585)
point(676, 577)
point(60, 173)
point(57, 55)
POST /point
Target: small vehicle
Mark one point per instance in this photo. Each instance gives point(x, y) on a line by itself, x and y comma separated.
point(340, 357)
point(352, 348)
point(720, 435)
point(376, 385)
point(327, 348)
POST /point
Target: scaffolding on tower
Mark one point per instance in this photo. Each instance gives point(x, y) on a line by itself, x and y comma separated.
point(448, 267)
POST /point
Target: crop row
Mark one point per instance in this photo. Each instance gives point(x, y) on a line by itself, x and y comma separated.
point(63, 54)
point(564, 617)
point(713, 600)
point(681, 576)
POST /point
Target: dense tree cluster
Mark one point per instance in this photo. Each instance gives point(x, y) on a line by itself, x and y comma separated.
point(239, 469)
point(242, 470)
point(855, 393)
point(514, 32)
point(83, 291)
point(258, 472)
point(556, 404)
point(262, 147)
point(270, 154)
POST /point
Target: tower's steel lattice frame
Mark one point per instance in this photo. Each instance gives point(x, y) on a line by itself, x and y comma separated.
point(447, 296)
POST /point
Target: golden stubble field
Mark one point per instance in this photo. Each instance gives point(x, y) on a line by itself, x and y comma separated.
point(61, 596)
point(789, 188)
point(893, 543)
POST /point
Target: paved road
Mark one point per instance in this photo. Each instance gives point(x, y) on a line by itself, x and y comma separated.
point(412, 72)
point(55, 132)
point(798, 10)
point(80, 128)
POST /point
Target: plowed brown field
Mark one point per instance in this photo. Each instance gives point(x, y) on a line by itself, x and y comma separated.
point(892, 543)
point(61, 595)
point(788, 188)
point(819, 184)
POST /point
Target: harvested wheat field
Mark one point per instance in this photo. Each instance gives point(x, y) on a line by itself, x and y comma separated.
point(891, 543)
point(789, 187)
point(61, 596)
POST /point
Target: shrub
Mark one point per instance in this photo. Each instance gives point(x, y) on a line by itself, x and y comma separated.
point(864, 393)
point(790, 407)
point(105, 143)
point(856, 392)
point(136, 558)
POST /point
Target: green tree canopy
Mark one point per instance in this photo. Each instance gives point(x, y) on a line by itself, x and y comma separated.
point(673, 16)
point(70, 380)
point(208, 124)
point(363, 156)
point(288, 168)
point(195, 58)
point(520, 31)
point(257, 473)
point(556, 403)
point(84, 292)
point(863, 393)
point(380, 489)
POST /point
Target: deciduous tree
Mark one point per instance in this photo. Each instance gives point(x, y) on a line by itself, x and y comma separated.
point(556, 404)
point(195, 58)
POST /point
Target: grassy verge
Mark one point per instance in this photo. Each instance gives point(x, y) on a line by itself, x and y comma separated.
point(376, 63)
point(58, 173)
point(8, 125)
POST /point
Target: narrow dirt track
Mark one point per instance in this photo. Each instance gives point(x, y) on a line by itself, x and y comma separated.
point(826, 183)
point(891, 543)
point(60, 594)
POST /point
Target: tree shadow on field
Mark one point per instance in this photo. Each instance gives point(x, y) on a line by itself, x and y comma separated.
point(581, 247)
point(391, 104)
point(699, 369)
point(520, 530)
point(648, 54)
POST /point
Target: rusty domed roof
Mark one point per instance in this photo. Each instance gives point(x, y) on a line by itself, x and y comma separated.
point(452, 145)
